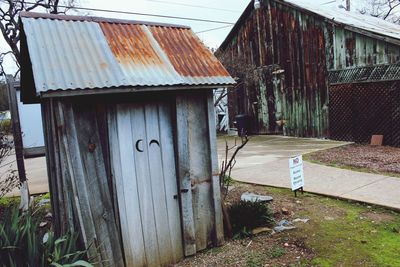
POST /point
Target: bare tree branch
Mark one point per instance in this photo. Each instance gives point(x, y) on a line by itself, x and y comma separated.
point(9, 13)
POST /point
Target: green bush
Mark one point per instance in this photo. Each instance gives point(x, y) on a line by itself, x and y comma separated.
point(5, 126)
point(245, 216)
point(21, 244)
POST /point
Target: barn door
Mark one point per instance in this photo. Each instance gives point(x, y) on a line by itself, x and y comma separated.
point(143, 164)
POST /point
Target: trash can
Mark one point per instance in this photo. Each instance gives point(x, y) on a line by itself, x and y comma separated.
point(242, 122)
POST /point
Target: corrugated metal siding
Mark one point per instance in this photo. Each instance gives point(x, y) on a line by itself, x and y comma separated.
point(67, 54)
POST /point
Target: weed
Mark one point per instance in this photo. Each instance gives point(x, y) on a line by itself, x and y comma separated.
point(246, 215)
point(22, 245)
point(276, 252)
point(254, 259)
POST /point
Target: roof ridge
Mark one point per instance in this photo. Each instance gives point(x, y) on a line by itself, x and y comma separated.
point(37, 15)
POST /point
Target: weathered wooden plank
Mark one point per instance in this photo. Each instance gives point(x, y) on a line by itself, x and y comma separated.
point(85, 171)
point(127, 188)
point(119, 195)
point(75, 171)
point(216, 190)
point(170, 180)
point(200, 169)
point(156, 176)
point(144, 185)
point(51, 155)
point(189, 236)
point(96, 180)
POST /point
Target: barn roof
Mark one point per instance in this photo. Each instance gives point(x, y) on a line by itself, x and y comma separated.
point(61, 52)
point(353, 21)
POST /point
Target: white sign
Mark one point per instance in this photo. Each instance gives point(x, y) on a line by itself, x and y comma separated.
point(296, 172)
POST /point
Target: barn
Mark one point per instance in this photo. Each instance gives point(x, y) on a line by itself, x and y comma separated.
point(129, 127)
point(309, 70)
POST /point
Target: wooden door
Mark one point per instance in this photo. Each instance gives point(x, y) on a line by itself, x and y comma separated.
point(143, 165)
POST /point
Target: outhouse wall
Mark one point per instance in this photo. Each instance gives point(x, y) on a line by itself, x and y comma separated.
point(85, 137)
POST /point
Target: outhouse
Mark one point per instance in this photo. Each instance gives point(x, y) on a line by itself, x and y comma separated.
point(129, 127)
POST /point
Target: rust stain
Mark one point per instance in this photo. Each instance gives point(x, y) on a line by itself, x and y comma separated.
point(186, 52)
point(130, 44)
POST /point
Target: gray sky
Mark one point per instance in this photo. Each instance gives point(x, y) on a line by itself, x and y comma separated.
point(222, 10)
point(212, 11)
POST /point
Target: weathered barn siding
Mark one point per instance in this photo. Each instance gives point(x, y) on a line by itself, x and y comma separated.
point(352, 49)
point(79, 177)
point(277, 34)
point(305, 45)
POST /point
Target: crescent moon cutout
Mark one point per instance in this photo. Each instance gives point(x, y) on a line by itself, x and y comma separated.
point(154, 142)
point(137, 145)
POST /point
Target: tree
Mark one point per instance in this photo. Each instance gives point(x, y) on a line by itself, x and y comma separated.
point(385, 9)
point(9, 27)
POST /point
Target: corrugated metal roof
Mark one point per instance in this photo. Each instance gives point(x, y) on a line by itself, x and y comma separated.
point(69, 52)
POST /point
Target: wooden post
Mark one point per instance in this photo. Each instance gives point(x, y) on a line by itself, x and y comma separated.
point(18, 145)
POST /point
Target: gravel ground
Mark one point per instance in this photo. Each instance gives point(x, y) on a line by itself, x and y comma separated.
point(381, 159)
point(264, 249)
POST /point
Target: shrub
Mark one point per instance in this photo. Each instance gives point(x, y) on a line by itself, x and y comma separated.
point(245, 216)
point(21, 244)
point(5, 126)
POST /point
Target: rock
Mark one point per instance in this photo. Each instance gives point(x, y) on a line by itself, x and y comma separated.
point(298, 202)
point(279, 229)
point(286, 244)
point(247, 196)
point(45, 238)
point(285, 211)
point(48, 216)
point(42, 224)
point(328, 218)
point(305, 220)
point(284, 225)
point(43, 202)
point(260, 230)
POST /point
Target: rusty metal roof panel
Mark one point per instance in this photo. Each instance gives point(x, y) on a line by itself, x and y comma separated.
point(82, 54)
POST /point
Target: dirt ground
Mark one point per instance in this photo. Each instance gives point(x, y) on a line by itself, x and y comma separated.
point(378, 159)
point(339, 233)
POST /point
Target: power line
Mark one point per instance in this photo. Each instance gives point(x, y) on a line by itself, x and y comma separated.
point(140, 14)
point(197, 6)
point(214, 29)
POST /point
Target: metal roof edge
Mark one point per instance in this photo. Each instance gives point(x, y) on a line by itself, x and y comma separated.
point(119, 90)
point(37, 15)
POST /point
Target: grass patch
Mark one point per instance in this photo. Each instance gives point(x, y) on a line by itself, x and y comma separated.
point(276, 252)
point(255, 259)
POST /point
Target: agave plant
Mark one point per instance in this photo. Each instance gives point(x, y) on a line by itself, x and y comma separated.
point(22, 245)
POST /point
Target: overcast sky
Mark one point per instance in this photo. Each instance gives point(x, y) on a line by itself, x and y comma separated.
point(221, 10)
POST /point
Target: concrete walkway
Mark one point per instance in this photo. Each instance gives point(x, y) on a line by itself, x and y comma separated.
point(264, 160)
point(36, 173)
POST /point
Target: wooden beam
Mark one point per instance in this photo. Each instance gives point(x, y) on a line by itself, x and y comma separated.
point(18, 145)
point(185, 186)
point(215, 185)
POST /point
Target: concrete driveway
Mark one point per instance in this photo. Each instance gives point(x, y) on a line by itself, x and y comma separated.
point(264, 160)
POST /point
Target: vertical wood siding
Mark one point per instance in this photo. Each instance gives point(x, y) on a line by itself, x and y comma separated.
point(305, 46)
point(122, 200)
point(80, 191)
point(352, 49)
point(145, 174)
point(201, 206)
point(294, 41)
